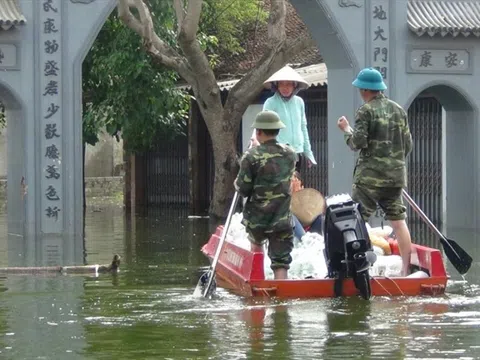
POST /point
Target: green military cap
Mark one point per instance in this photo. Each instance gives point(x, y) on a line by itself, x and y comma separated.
point(268, 120)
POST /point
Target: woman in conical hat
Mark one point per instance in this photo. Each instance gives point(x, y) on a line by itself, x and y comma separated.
point(286, 83)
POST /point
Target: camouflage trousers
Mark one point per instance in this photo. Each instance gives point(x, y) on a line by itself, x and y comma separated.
point(280, 245)
point(388, 198)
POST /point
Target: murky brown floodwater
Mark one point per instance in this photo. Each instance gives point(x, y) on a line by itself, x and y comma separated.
point(148, 312)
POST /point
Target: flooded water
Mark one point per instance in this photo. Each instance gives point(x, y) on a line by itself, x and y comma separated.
point(147, 311)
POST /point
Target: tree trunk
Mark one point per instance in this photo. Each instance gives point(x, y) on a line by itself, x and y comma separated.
point(226, 166)
point(192, 65)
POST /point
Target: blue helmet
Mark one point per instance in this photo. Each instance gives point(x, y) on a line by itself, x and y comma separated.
point(370, 79)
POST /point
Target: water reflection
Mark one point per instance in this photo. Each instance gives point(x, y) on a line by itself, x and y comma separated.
point(348, 327)
point(39, 314)
point(39, 317)
point(143, 321)
point(163, 252)
point(277, 337)
point(167, 243)
point(327, 329)
point(148, 311)
point(48, 250)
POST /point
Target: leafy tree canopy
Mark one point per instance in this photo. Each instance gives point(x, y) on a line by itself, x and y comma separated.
point(124, 90)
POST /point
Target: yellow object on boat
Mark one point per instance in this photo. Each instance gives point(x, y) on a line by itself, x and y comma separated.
point(379, 241)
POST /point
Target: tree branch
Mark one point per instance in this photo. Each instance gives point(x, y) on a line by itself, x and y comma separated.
point(247, 89)
point(278, 53)
point(191, 20)
point(203, 82)
point(271, 63)
point(152, 42)
point(180, 13)
point(296, 46)
point(276, 23)
point(193, 66)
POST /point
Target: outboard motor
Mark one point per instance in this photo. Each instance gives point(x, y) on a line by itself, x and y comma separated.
point(348, 251)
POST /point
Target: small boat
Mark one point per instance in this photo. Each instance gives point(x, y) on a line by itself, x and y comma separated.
point(242, 272)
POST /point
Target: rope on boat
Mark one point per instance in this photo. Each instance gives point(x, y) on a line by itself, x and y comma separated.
point(266, 292)
point(394, 282)
point(378, 282)
point(398, 287)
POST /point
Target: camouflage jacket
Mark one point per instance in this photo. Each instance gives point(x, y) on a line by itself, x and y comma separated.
point(264, 178)
point(383, 137)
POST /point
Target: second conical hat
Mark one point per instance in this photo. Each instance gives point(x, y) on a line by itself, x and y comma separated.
point(307, 204)
point(286, 74)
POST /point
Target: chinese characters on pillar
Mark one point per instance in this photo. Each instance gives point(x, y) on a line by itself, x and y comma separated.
point(380, 37)
point(51, 116)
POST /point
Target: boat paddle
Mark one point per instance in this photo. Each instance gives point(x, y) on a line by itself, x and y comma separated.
point(206, 283)
point(207, 280)
point(457, 256)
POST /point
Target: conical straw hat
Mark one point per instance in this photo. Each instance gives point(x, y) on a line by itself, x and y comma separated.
point(286, 74)
point(307, 204)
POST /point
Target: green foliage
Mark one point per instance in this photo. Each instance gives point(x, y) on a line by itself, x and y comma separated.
point(124, 90)
point(228, 20)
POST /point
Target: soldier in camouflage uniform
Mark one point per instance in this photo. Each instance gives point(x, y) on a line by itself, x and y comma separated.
point(383, 137)
point(264, 179)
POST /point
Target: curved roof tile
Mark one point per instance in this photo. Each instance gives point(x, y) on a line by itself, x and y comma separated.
point(10, 14)
point(444, 17)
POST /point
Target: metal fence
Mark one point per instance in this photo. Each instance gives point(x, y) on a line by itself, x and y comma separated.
point(317, 122)
point(425, 166)
point(167, 176)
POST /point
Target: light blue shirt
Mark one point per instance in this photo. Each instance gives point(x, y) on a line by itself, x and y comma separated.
point(292, 114)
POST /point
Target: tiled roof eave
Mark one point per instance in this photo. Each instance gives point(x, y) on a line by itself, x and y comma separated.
point(314, 75)
point(10, 14)
point(444, 18)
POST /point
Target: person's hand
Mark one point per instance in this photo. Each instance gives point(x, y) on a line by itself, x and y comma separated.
point(343, 124)
point(295, 184)
point(309, 163)
point(254, 142)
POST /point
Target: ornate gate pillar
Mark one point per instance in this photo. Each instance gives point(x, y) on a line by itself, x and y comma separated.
point(42, 47)
point(351, 34)
point(65, 31)
point(409, 43)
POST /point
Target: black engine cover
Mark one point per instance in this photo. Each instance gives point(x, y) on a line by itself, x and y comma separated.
point(345, 236)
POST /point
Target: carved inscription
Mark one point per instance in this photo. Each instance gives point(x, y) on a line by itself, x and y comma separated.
point(439, 61)
point(380, 37)
point(51, 83)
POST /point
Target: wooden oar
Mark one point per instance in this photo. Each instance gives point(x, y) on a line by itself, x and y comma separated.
point(457, 256)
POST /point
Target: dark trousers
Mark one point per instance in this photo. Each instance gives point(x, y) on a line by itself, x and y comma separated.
point(298, 229)
point(317, 225)
point(298, 164)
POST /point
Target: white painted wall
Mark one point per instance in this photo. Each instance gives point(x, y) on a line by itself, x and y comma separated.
point(105, 158)
point(3, 154)
point(102, 160)
point(247, 121)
